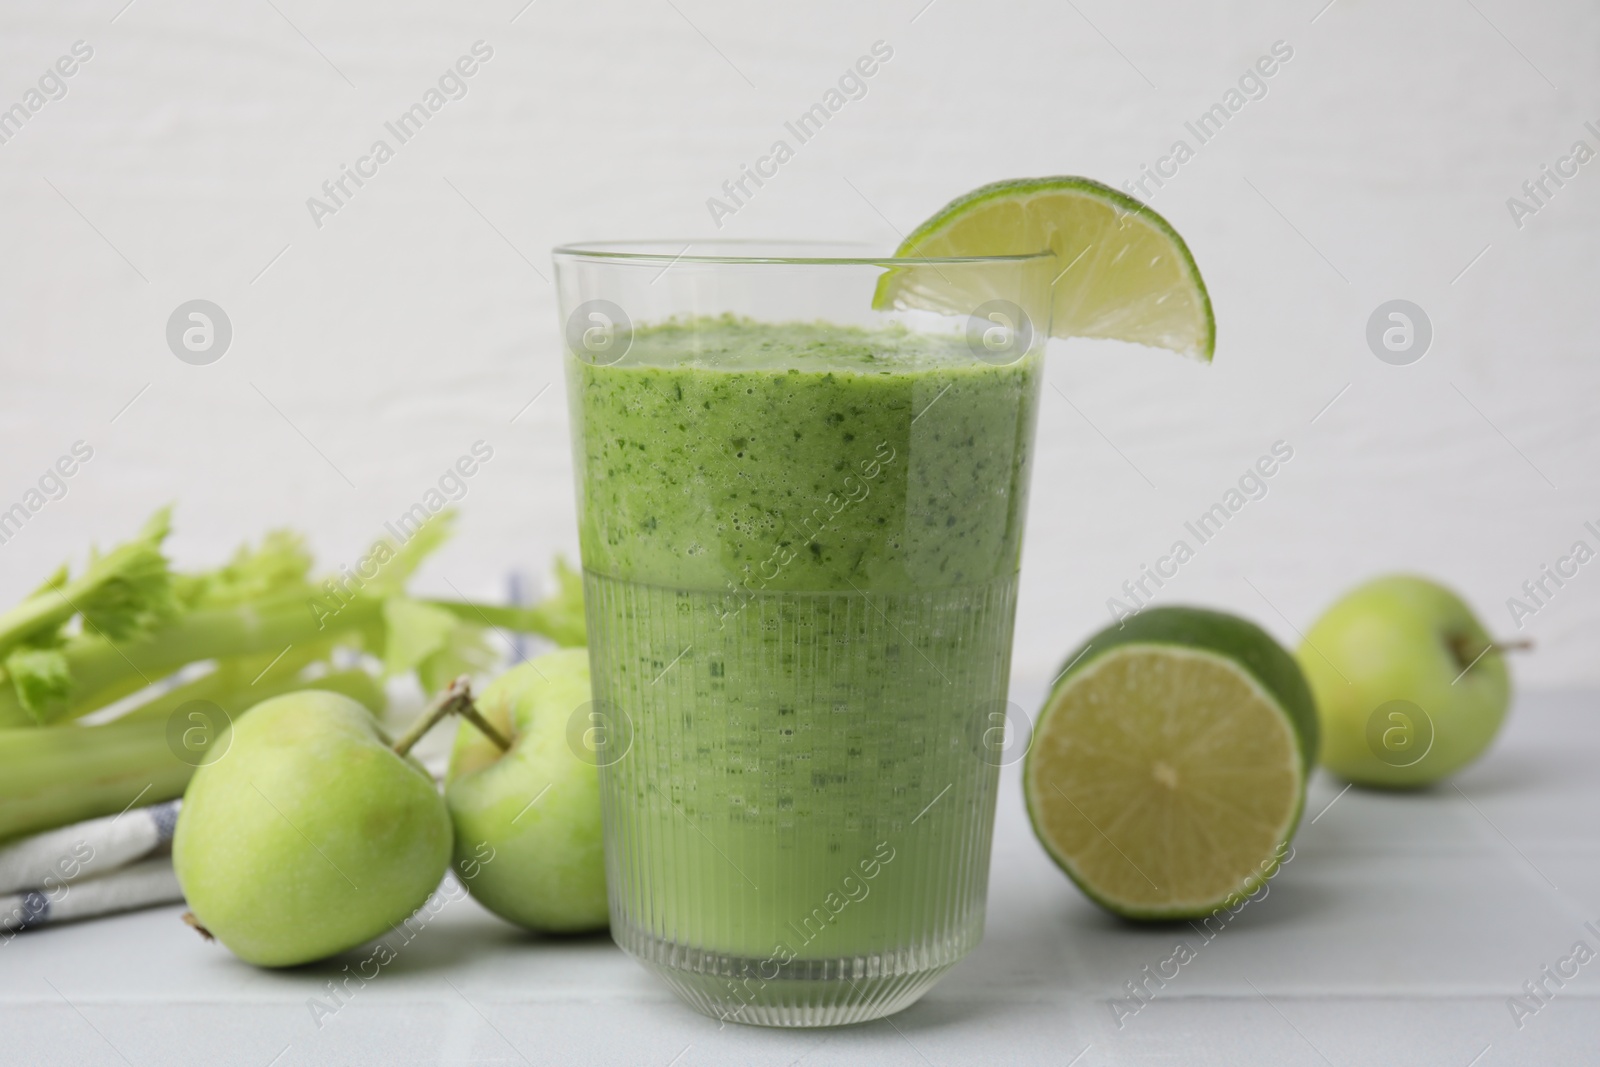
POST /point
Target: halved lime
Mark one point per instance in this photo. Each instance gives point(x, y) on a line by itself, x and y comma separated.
point(1120, 270)
point(1169, 764)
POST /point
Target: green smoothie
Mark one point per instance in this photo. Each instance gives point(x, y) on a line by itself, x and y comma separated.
point(800, 545)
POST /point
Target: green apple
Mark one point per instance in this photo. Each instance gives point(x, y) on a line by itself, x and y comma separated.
point(310, 835)
point(527, 820)
point(1409, 686)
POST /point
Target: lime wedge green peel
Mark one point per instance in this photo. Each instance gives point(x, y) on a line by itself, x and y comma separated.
point(1168, 767)
point(1120, 271)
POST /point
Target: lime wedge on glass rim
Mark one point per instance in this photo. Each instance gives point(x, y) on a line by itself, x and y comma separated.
point(1120, 270)
point(1168, 767)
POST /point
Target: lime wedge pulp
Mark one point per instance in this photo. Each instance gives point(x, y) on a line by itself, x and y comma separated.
point(1120, 270)
point(1168, 767)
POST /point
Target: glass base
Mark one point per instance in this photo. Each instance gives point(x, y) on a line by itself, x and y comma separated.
point(836, 992)
point(801, 1003)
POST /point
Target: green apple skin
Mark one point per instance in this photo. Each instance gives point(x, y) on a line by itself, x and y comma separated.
point(1403, 637)
point(309, 836)
point(540, 866)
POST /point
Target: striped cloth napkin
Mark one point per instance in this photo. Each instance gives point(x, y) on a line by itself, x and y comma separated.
point(92, 868)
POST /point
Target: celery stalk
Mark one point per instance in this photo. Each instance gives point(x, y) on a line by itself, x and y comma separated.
point(54, 775)
point(104, 671)
point(555, 622)
point(558, 617)
point(64, 774)
point(236, 694)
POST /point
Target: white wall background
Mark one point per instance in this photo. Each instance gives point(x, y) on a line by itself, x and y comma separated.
point(416, 321)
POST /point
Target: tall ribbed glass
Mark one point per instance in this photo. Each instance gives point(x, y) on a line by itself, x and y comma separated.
point(801, 479)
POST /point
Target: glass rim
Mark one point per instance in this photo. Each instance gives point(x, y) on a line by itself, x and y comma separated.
point(669, 252)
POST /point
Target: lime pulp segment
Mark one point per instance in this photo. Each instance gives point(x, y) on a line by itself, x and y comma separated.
point(1120, 270)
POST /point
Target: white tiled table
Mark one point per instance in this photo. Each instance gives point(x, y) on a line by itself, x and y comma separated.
point(1394, 936)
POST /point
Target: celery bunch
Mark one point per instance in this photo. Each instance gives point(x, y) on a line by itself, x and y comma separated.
point(140, 621)
point(261, 623)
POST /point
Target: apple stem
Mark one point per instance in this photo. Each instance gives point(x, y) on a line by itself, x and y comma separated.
point(1467, 654)
point(470, 712)
point(456, 693)
point(455, 700)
